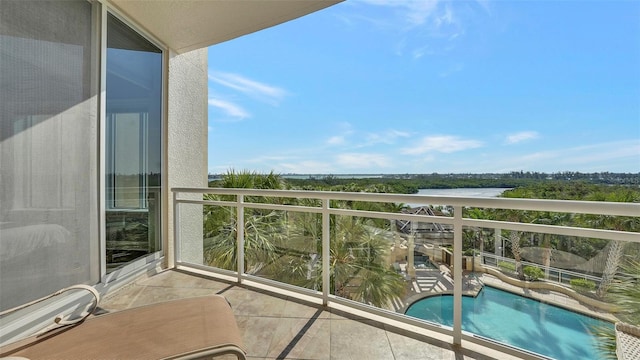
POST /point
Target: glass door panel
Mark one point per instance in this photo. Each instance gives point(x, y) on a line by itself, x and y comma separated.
point(133, 145)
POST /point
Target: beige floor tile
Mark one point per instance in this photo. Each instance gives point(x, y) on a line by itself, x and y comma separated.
point(411, 348)
point(358, 340)
point(254, 303)
point(298, 309)
point(152, 294)
point(297, 338)
point(177, 279)
point(277, 327)
point(121, 299)
point(257, 334)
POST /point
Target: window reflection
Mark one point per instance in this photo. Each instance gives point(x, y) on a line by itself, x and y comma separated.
point(133, 144)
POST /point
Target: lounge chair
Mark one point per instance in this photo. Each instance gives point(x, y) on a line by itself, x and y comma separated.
point(192, 328)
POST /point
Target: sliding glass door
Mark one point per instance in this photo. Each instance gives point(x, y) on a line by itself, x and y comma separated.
point(133, 145)
point(49, 234)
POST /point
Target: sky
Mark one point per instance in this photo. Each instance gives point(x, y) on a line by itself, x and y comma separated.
point(420, 87)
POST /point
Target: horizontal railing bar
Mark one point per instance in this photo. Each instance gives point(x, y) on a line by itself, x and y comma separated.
point(491, 224)
point(497, 345)
point(555, 230)
point(568, 206)
point(207, 202)
point(541, 266)
point(393, 216)
point(254, 199)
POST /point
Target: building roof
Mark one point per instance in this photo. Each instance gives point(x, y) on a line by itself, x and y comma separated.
point(185, 25)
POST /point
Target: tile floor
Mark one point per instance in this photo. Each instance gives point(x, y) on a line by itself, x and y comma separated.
point(279, 327)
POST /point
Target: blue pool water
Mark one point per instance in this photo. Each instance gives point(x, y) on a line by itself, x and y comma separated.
point(518, 321)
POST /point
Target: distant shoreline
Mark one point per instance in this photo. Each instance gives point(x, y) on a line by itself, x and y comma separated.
point(506, 180)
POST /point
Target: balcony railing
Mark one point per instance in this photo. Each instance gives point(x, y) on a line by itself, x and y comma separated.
point(315, 245)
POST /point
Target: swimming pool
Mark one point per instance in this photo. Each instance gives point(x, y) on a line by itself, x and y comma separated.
point(517, 321)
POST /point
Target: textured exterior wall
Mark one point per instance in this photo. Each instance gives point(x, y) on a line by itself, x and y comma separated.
point(186, 150)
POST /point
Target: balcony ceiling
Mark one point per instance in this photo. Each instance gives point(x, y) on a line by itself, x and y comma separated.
point(186, 25)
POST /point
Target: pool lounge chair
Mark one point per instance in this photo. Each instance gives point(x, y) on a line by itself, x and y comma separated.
point(627, 341)
point(192, 328)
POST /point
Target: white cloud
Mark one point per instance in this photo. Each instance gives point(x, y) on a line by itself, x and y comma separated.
point(229, 108)
point(269, 158)
point(362, 161)
point(263, 92)
point(345, 130)
point(454, 68)
point(386, 137)
point(441, 143)
point(336, 140)
point(521, 136)
point(426, 27)
point(590, 154)
point(616, 156)
point(414, 12)
point(305, 167)
point(445, 18)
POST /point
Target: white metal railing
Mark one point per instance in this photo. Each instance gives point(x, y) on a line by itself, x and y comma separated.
point(194, 196)
point(555, 274)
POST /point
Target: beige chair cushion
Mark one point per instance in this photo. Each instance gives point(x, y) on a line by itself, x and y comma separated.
point(187, 328)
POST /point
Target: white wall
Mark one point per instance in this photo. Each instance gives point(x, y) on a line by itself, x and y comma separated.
point(186, 150)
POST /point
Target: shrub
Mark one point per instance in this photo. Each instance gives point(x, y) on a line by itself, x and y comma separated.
point(505, 265)
point(533, 272)
point(582, 284)
point(470, 252)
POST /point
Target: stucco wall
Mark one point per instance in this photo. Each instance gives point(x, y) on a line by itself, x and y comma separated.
point(186, 148)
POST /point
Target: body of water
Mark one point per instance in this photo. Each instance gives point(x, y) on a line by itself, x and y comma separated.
point(467, 192)
point(470, 192)
point(517, 321)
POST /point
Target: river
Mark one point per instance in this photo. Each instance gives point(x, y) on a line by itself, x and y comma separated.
point(468, 192)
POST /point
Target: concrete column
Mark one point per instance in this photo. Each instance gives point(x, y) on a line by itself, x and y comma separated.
point(186, 150)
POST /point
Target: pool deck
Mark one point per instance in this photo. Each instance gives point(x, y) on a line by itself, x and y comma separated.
point(276, 326)
point(431, 282)
point(549, 297)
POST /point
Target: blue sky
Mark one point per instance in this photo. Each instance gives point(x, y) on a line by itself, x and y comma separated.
point(392, 86)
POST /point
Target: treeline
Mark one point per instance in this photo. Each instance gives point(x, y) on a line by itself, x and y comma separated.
point(403, 185)
point(410, 184)
point(526, 187)
point(575, 190)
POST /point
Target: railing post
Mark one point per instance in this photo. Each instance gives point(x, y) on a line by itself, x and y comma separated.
point(457, 275)
point(177, 258)
point(326, 253)
point(497, 243)
point(240, 236)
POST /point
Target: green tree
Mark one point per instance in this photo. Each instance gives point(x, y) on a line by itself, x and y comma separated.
point(624, 292)
point(358, 263)
point(287, 247)
point(263, 228)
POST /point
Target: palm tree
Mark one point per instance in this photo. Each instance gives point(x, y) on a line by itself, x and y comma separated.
point(357, 263)
point(549, 218)
point(514, 237)
point(624, 292)
point(288, 248)
point(516, 250)
point(263, 228)
point(476, 213)
point(616, 248)
point(358, 266)
point(262, 234)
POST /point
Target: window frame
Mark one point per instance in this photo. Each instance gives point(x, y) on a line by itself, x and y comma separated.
point(154, 259)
